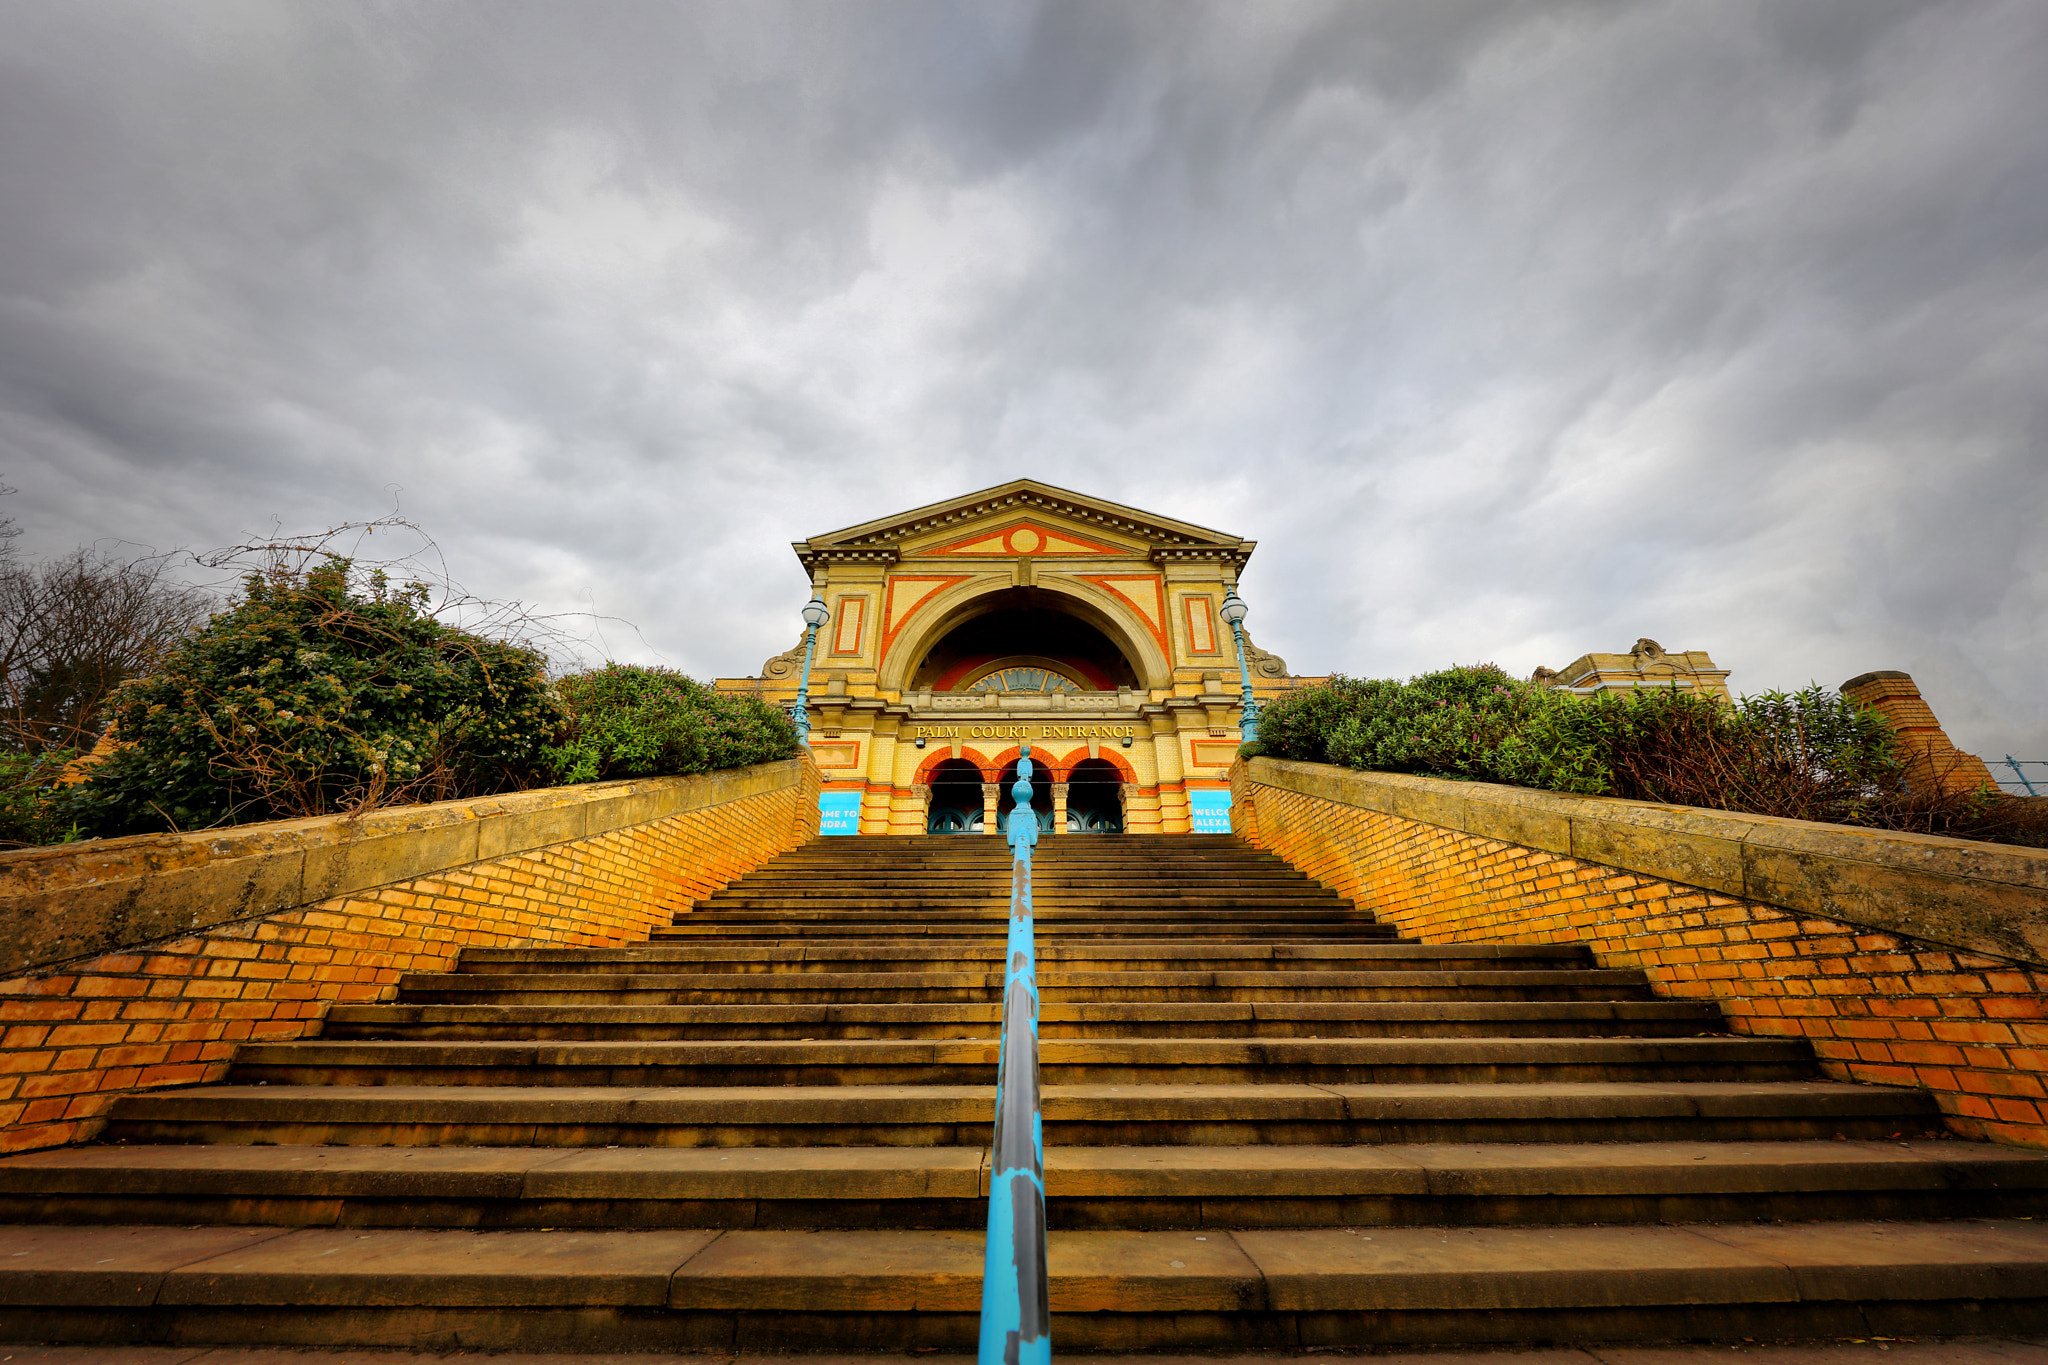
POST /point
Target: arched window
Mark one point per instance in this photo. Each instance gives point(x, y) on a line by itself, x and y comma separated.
point(1024, 678)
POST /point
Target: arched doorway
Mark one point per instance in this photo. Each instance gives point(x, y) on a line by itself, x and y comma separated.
point(1041, 796)
point(1021, 639)
point(956, 798)
point(1095, 798)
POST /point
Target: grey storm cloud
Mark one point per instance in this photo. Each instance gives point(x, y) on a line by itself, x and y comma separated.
point(1511, 330)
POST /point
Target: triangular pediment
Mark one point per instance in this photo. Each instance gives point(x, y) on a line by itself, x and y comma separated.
point(1023, 518)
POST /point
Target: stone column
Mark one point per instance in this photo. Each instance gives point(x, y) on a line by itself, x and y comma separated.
point(921, 797)
point(1059, 808)
point(1932, 762)
point(991, 795)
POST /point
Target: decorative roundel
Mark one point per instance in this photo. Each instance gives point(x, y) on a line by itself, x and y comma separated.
point(1024, 541)
point(1024, 678)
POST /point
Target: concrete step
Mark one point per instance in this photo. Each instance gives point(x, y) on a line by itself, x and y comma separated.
point(619, 1290)
point(1268, 1019)
point(894, 955)
point(1074, 1115)
point(1191, 909)
point(1120, 1061)
point(690, 929)
point(1087, 1187)
point(684, 988)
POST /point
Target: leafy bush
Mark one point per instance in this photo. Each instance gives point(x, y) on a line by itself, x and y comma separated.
point(1463, 721)
point(1807, 755)
point(318, 691)
point(28, 790)
point(1299, 724)
point(628, 721)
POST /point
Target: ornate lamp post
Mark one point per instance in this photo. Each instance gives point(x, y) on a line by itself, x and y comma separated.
point(817, 614)
point(1233, 610)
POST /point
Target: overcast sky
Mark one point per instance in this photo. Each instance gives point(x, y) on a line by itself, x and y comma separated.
point(1510, 330)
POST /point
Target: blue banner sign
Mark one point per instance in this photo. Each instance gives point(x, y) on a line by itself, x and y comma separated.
point(1209, 808)
point(838, 812)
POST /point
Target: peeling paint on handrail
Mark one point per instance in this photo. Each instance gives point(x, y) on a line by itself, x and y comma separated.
point(1015, 1321)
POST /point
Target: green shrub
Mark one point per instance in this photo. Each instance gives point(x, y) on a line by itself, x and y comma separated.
point(1298, 725)
point(1462, 722)
point(1806, 755)
point(629, 721)
point(28, 791)
point(318, 691)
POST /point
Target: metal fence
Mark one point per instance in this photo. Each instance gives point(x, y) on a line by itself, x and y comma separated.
point(2017, 779)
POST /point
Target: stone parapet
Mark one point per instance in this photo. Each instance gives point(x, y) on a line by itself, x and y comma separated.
point(143, 962)
point(74, 900)
point(1903, 959)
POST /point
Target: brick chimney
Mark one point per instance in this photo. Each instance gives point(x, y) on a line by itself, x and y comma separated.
point(1932, 762)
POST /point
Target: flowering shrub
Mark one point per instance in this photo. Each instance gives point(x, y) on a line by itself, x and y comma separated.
point(628, 721)
point(318, 691)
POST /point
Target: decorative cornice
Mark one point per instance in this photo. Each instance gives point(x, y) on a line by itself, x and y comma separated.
point(1162, 533)
point(811, 555)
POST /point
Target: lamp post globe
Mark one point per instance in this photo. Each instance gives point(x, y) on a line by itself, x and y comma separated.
point(816, 614)
point(1233, 611)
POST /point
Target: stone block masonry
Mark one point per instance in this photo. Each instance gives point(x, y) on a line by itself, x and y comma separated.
point(281, 920)
point(1902, 959)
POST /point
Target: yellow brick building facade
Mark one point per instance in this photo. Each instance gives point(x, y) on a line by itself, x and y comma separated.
point(1023, 612)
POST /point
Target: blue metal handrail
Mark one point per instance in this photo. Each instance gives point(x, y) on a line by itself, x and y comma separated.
point(1016, 1324)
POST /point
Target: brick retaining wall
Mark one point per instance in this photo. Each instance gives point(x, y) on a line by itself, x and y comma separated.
point(163, 1011)
point(1794, 929)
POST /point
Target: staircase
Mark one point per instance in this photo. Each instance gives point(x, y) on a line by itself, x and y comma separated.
point(1268, 1123)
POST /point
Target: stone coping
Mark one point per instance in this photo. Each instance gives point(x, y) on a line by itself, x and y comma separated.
point(79, 900)
point(1963, 893)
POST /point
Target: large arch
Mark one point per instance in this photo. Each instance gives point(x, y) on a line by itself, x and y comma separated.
point(961, 603)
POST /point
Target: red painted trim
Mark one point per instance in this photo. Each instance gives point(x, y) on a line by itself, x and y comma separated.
point(889, 632)
point(1008, 528)
point(1108, 583)
point(945, 754)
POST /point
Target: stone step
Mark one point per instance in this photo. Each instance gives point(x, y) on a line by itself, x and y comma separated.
point(695, 1289)
point(689, 929)
point(1074, 1115)
point(1111, 1061)
point(684, 988)
point(917, 957)
point(1192, 909)
point(1087, 1187)
point(1264, 1019)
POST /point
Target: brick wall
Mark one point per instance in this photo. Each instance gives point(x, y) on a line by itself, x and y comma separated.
point(1876, 1005)
point(171, 1012)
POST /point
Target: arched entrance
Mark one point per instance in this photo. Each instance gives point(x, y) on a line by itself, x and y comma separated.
point(1095, 798)
point(1041, 796)
point(956, 799)
point(1023, 640)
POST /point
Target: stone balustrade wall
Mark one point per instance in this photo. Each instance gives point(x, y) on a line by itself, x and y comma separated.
point(142, 962)
point(1903, 959)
